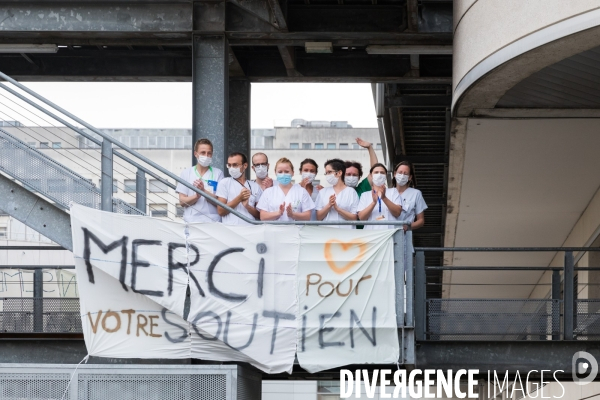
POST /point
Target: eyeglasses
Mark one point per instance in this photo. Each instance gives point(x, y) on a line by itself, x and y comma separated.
point(261, 165)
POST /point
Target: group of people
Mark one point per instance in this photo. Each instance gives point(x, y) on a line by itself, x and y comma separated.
point(346, 198)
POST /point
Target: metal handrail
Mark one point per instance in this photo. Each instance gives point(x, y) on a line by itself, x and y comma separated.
point(146, 160)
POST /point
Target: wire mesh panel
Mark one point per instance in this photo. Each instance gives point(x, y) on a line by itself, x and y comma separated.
point(492, 319)
point(150, 387)
point(46, 315)
point(587, 319)
point(33, 386)
point(41, 174)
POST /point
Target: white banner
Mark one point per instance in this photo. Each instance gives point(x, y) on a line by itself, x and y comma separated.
point(346, 294)
point(244, 281)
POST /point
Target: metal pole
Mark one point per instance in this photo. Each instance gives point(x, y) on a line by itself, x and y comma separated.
point(568, 296)
point(38, 298)
point(556, 304)
point(420, 296)
point(399, 275)
point(107, 176)
point(140, 190)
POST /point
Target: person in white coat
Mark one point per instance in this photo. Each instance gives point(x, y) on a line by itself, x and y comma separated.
point(337, 202)
point(204, 177)
point(309, 169)
point(238, 192)
point(413, 204)
point(285, 201)
point(380, 203)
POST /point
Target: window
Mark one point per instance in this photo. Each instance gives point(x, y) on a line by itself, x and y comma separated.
point(57, 185)
point(44, 145)
point(129, 185)
point(158, 210)
point(31, 144)
point(115, 187)
point(56, 145)
point(157, 186)
point(179, 211)
point(294, 146)
point(306, 146)
point(330, 146)
point(344, 146)
point(378, 146)
point(318, 146)
point(355, 146)
point(2, 232)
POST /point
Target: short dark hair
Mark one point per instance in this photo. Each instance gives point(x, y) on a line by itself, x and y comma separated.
point(356, 165)
point(337, 165)
point(203, 141)
point(309, 161)
point(411, 172)
point(237, 153)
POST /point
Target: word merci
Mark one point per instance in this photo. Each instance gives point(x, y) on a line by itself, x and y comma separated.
point(418, 384)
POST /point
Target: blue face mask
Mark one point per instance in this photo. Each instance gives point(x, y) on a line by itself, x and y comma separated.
point(284, 179)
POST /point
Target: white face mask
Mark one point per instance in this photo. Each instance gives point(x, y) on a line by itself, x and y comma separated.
point(332, 179)
point(308, 175)
point(204, 161)
point(401, 179)
point(235, 173)
point(379, 179)
point(351, 181)
point(261, 171)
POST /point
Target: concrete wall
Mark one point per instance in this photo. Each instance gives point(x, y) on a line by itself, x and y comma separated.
point(483, 27)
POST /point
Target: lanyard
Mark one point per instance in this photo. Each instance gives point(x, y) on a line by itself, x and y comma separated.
point(211, 174)
point(244, 186)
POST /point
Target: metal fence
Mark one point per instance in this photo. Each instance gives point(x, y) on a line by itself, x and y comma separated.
point(556, 315)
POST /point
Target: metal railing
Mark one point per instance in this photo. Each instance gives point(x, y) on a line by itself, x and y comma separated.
point(554, 314)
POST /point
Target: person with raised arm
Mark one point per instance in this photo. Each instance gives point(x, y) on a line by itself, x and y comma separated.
point(285, 201)
point(337, 202)
point(260, 165)
point(238, 192)
point(381, 203)
point(204, 177)
point(354, 170)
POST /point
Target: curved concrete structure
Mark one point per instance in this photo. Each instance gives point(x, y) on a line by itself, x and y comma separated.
point(499, 43)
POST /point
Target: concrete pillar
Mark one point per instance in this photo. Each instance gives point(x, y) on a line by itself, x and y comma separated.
point(210, 78)
point(239, 119)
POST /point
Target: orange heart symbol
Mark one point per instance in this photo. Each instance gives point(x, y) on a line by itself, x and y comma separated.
point(345, 246)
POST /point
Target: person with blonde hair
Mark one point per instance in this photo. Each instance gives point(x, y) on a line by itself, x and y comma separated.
point(285, 201)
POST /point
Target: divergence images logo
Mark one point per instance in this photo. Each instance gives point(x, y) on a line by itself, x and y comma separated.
point(584, 368)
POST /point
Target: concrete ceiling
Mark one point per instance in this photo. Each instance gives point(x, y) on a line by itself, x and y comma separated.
point(525, 183)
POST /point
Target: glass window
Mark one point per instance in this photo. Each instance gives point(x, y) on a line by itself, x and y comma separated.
point(378, 146)
point(319, 146)
point(330, 146)
point(129, 185)
point(294, 146)
point(355, 146)
point(158, 210)
point(157, 186)
point(56, 145)
point(179, 211)
point(31, 144)
point(2, 232)
point(344, 146)
point(44, 145)
point(115, 187)
point(306, 146)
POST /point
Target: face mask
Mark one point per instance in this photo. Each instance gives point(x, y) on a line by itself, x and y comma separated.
point(204, 161)
point(351, 181)
point(235, 173)
point(401, 180)
point(261, 171)
point(284, 179)
point(379, 179)
point(308, 175)
point(332, 179)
